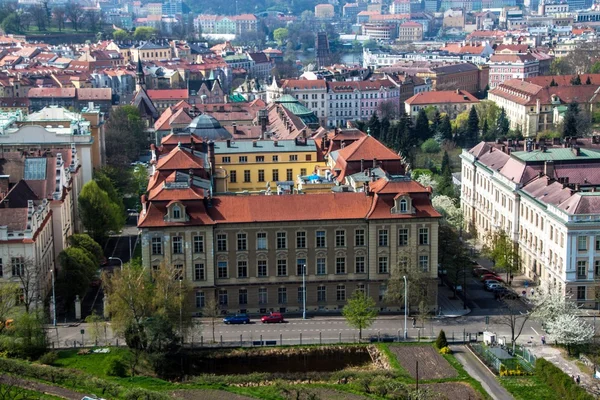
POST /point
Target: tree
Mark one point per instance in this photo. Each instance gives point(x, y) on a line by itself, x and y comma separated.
point(26, 338)
point(560, 66)
point(570, 330)
point(93, 18)
point(487, 111)
point(85, 242)
point(502, 124)
point(387, 109)
point(105, 183)
point(427, 180)
point(360, 311)
point(121, 35)
point(446, 184)
point(422, 126)
point(445, 129)
point(98, 213)
point(125, 138)
point(485, 131)
point(451, 212)
point(8, 293)
point(38, 13)
point(441, 340)
point(280, 35)
point(454, 257)
point(570, 120)
point(97, 326)
point(29, 276)
point(212, 310)
point(576, 80)
point(472, 129)
point(59, 17)
point(430, 146)
point(373, 126)
point(77, 271)
point(418, 281)
point(501, 249)
point(74, 13)
point(144, 33)
point(11, 24)
point(514, 319)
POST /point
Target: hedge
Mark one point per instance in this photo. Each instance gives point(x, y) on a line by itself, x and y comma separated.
point(73, 379)
point(564, 385)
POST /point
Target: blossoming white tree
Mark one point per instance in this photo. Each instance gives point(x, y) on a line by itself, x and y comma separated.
point(447, 206)
point(569, 330)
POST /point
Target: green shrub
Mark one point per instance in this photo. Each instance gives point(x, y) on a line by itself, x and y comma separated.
point(430, 146)
point(116, 367)
point(441, 340)
point(563, 385)
point(417, 172)
point(142, 394)
point(49, 358)
point(445, 350)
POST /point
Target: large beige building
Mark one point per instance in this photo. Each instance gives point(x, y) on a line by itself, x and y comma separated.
point(250, 251)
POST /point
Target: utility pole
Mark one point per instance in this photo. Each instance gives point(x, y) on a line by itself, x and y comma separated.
point(405, 307)
point(54, 300)
point(304, 291)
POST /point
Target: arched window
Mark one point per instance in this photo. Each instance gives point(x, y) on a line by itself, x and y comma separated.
point(403, 205)
point(176, 212)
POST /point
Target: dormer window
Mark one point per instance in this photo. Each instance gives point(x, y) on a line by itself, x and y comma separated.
point(403, 206)
point(176, 212)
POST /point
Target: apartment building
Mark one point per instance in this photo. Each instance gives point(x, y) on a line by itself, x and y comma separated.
point(449, 102)
point(544, 195)
point(252, 252)
point(505, 66)
point(410, 31)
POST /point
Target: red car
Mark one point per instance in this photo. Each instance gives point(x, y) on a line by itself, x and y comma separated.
point(494, 277)
point(273, 317)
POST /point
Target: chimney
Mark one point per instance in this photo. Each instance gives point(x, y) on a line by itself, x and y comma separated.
point(374, 163)
point(143, 201)
point(234, 128)
point(576, 150)
point(211, 157)
point(228, 142)
point(362, 164)
point(549, 169)
point(254, 143)
point(275, 143)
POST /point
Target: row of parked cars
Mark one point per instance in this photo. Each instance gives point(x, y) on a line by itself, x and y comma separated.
point(273, 317)
point(492, 282)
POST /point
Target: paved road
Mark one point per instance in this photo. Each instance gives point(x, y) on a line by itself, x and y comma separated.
point(477, 370)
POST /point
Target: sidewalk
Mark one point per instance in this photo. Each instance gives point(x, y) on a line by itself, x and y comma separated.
point(449, 307)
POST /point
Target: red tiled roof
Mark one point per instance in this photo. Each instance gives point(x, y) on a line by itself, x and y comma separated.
point(168, 94)
point(440, 97)
point(52, 92)
point(563, 80)
point(367, 148)
point(179, 159)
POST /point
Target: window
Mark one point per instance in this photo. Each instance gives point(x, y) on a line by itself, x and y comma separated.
point(321, 266)
point(424, 263)
point(222, 269)
point(262, 296)
point(177, 245)
point(242, 269)
point(199, 272)
point(18, 266)
point(383, 237)
point(289, 174)
point(243, 159)
point(232, 176)
point(341, 293)
point(156, 245)
point(260, 158)
point(340, 238)
point(293, 157)
point(597, 243)
point(200, 300)
point(340, 265)
point(301, 294)
point(176, 212)
point(282, 295)
point(1, 268)
point(198, 244)
point(423, 236)
point(281, 240)
point(281, 267)
point(359, 263)
point(302, 171)
point(403, 237)
point(242, 242)
point(403, 206)
point(275, 175)
point(301, 240)
point(261, 241)
point(221, 242)
point(581, 243)
point(359, 237)
point(581, 270)
point(580, 292)
point(308, 157)
point(222, 297)
point(383, 265)
point(321, 293)
point(320, 238)
point(300, 266)
point(261, 175)
point(243, 296)
point(261, 268)
point(275, 158)
point(226, 160)
point(246, 175)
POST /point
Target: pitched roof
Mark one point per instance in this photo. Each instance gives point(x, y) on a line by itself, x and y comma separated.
point(367, 148)
point(52, 92)
point(563, 80)
point(168, 94)
point(440, 97)
point(179, 159)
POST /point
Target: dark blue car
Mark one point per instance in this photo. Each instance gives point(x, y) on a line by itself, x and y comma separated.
point(237, 319)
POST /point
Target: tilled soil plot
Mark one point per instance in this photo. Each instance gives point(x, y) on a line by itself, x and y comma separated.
point(431, 364)
point(208, 394)
point(452, 391)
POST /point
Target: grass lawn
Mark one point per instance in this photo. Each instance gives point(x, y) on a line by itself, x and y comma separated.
point(528, 388)
point(17, 393)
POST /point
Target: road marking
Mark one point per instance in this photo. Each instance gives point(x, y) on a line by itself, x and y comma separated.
point(535, 331)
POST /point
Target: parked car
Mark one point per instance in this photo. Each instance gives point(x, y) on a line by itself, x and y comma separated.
point(492, 286)
point(237, 319)
point(481, 271)
point(493, 277)
point(505, 293)
point(489, 281)
point(273, 317)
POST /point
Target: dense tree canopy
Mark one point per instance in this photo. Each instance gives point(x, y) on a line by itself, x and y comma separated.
point(125, 138)
point(98, 213)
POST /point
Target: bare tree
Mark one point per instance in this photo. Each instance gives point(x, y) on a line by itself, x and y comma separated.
point(514, 319)
point(387, 109)
point(212, 310)
point(8, 294)
point(75, 14)
point(59, 17)
point(38, 14)
point(93, 18)
point(10, 389)
point(28, 273)
point(417, 279)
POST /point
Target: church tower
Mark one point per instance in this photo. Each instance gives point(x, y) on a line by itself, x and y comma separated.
point(140, 82)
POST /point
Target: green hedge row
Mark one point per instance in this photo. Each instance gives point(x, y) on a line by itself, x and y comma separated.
point(75, 380)
point(564, 385)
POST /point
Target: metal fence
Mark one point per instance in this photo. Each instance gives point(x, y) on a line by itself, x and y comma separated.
point(487, 356)
point(282, 339)
point(526, 355)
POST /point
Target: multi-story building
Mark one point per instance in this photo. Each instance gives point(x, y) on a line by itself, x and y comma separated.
point(400, 7)
point(74, 98)
point(463, 76)
point(505, 66)
point(544, 196)
point(148, 51)
point(409, 32)
point(311, 93)
point(251, 253)
point(324, 11)
point(232, 25)
point(449, 102)
point(378, 31)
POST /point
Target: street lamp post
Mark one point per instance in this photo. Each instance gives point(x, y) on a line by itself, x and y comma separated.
point(304, 291)
point(117, 258)
point(53, 299)
point(405, 307)
point(180, 310)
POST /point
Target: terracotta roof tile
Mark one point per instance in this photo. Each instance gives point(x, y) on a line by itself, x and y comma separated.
point(439, 97)
point(367, 148)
